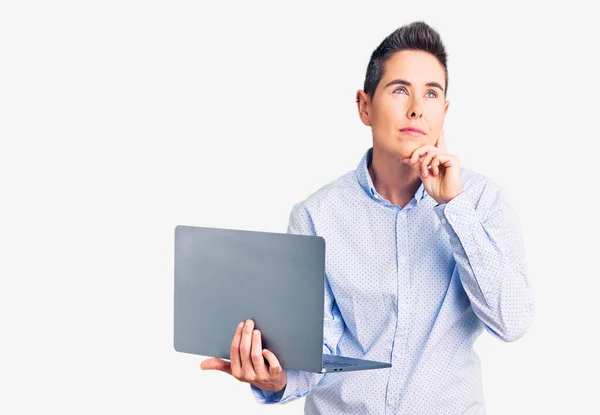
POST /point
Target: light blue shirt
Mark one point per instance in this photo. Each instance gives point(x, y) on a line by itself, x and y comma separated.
point(413, 286)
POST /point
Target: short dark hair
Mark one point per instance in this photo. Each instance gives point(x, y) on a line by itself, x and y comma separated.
point(414, 36)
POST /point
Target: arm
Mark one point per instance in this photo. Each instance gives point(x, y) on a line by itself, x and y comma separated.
point(300, 383)
point(486, 241)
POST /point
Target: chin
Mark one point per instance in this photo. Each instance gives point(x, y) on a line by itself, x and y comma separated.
point(407, 149)
point(400, 149)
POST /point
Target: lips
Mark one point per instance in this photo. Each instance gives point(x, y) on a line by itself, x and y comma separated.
point(412, 131)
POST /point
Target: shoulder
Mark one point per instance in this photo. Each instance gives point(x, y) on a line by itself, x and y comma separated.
point(339, 191)
point(474, 182)
point(482, 192)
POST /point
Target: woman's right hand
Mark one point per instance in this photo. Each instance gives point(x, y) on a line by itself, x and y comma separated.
point(247, 361)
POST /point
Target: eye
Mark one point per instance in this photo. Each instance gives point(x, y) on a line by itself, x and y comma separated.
point(401, 89)
point(431, 94)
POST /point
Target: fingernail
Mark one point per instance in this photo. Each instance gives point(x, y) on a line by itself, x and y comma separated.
point(256, 332)
point(241, 325)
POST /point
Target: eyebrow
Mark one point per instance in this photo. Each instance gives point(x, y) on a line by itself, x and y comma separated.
point(403, 82)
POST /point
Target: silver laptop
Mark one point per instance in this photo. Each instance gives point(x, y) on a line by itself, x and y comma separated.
point(225, 276)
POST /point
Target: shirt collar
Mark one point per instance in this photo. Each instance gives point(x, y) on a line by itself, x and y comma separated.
point(364, 178)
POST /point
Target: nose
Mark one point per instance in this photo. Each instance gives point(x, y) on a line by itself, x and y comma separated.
point(415, 110)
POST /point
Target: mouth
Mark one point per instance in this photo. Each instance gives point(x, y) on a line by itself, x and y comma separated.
point(412, 131)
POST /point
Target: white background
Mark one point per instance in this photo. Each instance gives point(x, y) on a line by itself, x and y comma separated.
point(122, 119)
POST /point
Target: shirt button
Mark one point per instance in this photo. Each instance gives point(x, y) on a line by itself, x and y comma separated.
point(444, 221)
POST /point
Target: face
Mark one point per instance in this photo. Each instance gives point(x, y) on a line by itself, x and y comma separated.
point(408, 107)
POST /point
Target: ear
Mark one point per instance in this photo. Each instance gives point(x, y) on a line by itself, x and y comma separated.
point(446, 106)
point(363, 104)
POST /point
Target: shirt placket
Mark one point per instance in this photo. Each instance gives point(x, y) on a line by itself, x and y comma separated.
point(399, 350)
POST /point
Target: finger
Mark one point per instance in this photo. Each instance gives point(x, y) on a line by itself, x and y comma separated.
point(441, 143)
point(258, 360)
point(425, 163)
point(216, 364)
point(429, 156)
point(435, 165)
point(234, 352)
point(416, 167)
point(424, 168)
point(446, 160)
point(274, 365)
point(246, 349)
point(420, 152)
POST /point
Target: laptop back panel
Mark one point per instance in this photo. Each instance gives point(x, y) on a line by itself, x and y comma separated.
point(224, 276)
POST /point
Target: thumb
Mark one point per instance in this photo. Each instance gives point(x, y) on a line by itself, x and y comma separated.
point(441, 142)
point(216, 364)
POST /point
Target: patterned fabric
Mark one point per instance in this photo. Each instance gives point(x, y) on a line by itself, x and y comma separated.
point(414, 286)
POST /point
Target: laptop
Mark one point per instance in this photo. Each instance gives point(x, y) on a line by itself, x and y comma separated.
point(225, 276)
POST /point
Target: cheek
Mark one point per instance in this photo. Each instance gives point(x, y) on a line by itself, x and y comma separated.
point(435, 116)
point(390, 115)
point(435, 119)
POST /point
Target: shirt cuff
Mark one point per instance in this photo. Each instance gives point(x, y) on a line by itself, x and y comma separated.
point(266, 396)
point(457, 216)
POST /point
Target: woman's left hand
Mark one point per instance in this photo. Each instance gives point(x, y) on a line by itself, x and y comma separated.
point(438, 170)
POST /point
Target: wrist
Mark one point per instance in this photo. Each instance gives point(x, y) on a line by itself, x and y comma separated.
point(446, 200)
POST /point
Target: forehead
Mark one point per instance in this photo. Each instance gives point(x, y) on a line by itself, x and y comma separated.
point(414, 66)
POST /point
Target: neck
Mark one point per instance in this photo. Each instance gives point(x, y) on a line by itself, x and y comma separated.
point(393, 179)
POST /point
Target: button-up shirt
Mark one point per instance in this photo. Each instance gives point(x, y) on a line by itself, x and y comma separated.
point(413, 286)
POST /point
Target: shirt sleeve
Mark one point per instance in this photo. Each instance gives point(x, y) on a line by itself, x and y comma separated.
point(300, 383)
point(486, 241)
